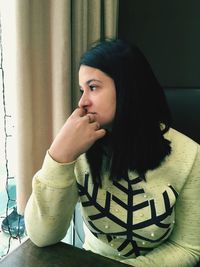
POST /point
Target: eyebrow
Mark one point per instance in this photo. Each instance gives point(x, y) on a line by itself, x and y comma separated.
point(93, 80)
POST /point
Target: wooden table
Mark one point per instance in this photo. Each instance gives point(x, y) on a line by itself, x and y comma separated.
point(59, 255)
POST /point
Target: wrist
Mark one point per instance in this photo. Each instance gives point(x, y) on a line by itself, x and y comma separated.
point(58, 157)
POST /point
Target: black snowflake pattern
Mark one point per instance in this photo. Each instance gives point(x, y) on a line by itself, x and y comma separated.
point(129, 226)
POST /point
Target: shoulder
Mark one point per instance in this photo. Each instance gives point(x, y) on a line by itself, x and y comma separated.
point(183, 147)
point(174, 135)
point(177, 166)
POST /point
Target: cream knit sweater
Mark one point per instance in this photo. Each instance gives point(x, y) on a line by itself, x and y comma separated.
point(145, 224)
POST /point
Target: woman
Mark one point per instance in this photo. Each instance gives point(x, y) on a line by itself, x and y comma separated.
point(138, 180)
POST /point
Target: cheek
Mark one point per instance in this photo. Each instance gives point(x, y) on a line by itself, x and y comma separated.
point(109, 112)
point(112, 110)
point(113, 105)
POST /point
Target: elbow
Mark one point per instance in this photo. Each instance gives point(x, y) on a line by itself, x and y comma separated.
point(41, 243)
point(42, 237)
point(41, 240)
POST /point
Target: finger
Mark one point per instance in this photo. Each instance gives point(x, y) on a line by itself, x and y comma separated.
point(79, 112)
point(95, 125)
point(100, 133)
point(91, 118)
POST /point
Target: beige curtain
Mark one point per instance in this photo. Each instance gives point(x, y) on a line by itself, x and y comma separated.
point(51, 35)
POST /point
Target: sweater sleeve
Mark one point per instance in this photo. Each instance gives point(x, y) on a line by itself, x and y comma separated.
point(183, 247)
point(50, 207)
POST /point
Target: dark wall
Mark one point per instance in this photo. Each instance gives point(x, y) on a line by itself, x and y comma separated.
point(168, 32)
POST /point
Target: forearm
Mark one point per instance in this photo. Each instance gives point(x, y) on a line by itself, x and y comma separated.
point(167, 255)
point(50, 207)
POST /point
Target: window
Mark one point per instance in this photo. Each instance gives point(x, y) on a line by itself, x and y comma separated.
point(9, 240)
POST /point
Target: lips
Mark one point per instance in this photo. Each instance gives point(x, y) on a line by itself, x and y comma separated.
point(91, 113)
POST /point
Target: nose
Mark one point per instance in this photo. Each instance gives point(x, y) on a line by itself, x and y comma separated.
point(84, 101)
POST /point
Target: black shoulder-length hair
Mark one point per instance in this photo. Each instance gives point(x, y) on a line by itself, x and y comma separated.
point(142, 113)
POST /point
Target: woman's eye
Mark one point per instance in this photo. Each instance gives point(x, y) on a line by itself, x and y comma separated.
point(93, 87)
point(81, 91)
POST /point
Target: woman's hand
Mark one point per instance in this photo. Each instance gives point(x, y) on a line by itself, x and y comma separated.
point(77, 135)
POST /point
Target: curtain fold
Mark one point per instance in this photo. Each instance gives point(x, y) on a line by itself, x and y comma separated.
point(51, 36)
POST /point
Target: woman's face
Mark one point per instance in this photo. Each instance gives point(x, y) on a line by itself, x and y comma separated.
point(98, 94)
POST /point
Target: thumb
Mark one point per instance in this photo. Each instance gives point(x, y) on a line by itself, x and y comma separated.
point(100, 133)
